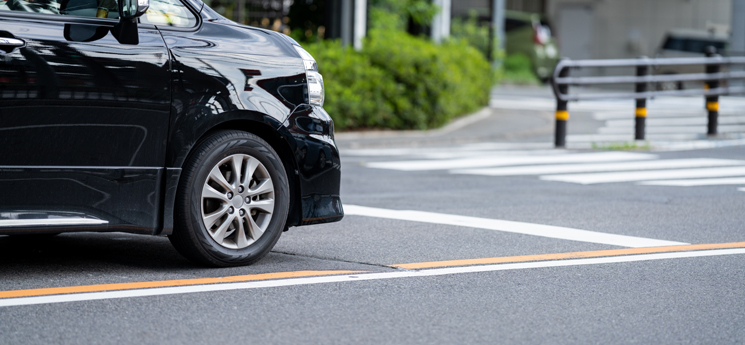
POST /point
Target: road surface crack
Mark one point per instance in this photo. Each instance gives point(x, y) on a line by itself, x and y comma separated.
point(340, 260)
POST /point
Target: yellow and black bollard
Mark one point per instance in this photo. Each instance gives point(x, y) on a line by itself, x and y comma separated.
point(641, 104)
point(712, 102)
point(562, 113)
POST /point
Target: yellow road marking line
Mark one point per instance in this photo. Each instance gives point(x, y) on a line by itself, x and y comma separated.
point(575, 255)
point(166, 283)
point(419, 265)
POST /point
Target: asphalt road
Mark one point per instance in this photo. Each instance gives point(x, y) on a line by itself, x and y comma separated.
point(684, 295)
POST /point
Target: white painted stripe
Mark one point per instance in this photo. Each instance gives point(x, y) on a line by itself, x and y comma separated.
point(93, 296)
point(489, 161)
point(657, 113)
point(696, 144)
point(657, 105)
point(497, 148)
point(537, 104)
point(697, 182)
point(672, 129)
point(677, 121)
point(509, 226)
point(646, 175)
point(599, 138)
point(50, 222)
point(575, 168)
point(741, 189)
point(459, 154)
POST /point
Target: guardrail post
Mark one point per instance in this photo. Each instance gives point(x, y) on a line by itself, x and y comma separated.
point(712, 102)
point(641, 103)
point(562, 113)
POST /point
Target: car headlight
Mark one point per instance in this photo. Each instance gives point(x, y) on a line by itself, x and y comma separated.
point(316, 91)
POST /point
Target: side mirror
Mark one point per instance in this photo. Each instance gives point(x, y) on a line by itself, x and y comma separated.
point(126, 30)
point(131, 9)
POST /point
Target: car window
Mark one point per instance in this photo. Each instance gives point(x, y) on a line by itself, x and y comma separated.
point(169, 13)
point(81, 8)
point(691, 45)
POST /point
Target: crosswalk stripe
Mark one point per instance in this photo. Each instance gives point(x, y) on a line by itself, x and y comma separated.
point(671, 115)
point(630, 137)
point(458, 151)
point(646, 175)
point(626, 166)
point(677, 121)
point(441, 154)
point(696, 129)
point(491, 161)
point(697, 182)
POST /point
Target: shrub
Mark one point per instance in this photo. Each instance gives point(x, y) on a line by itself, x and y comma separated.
point(401, 82)
point(441, 82)
point(358, 95)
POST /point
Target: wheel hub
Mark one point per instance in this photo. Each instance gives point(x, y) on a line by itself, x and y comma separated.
point(237, 202)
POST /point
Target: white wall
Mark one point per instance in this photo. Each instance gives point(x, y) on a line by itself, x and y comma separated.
point(631, 28)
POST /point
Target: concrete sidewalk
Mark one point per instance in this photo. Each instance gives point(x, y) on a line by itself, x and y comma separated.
point(524, 116)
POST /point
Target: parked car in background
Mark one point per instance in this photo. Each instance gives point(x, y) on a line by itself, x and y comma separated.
point(528, 34)
point(683, 43)
point(169, 120)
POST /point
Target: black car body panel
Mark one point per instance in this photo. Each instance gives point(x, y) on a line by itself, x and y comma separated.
point(96, 130)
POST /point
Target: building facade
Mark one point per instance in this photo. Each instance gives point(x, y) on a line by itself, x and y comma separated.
point(601, 29)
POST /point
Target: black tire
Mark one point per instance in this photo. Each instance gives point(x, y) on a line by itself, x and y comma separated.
point(191, 237)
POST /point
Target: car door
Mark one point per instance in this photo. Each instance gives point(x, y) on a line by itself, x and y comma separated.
point(84, 112)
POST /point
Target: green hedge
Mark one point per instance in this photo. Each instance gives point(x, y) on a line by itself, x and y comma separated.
point(401, 82)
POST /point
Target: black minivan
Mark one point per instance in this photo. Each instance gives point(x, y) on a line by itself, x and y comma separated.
point(160, 117)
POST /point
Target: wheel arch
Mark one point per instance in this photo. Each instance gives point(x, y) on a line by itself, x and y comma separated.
point(279, 138)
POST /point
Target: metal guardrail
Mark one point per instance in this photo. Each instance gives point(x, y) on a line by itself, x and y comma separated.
point(713, 88)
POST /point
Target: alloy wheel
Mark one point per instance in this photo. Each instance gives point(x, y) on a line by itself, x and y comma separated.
point(237, 201)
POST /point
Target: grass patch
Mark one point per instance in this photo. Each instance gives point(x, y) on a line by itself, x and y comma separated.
point(624, 146)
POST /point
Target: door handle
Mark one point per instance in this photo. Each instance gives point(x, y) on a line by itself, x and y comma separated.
point(9, 44)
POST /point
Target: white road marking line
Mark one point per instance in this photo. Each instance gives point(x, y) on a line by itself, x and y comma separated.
point(678, 121)
point(536, 104)
point(93, 296)
point(657, 113)
point(499, 148)
point(487, 146)
point(509, 226)
point(741, 189)
point(575, 168)
point(697, 182)
point(646, 175)
point(582, 138)
point(697, 144)
point(489, 161)
point(459, 154)
point(673, 129)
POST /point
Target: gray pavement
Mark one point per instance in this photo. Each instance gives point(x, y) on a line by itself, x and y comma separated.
point(628, 299)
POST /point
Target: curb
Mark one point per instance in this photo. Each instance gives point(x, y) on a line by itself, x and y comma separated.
point(450, 127)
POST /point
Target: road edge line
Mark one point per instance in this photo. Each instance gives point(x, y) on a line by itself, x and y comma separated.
point(571, 255)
